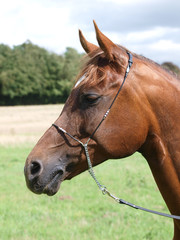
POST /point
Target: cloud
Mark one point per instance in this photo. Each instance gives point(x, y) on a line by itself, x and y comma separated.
point(41, 22)
point(138, 25)
point(148, 27)
point(129, 16)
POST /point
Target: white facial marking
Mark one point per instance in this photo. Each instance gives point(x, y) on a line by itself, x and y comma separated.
point(80, 80)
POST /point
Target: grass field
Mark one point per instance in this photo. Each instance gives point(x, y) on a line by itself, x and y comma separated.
point(78, 210)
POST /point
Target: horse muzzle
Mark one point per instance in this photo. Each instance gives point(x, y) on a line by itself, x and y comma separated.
point(43, 180)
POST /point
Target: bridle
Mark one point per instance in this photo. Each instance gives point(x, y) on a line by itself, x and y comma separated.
point(85, 146)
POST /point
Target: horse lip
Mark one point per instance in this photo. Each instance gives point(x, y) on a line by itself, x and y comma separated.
point(54, 184)
point(35, 187)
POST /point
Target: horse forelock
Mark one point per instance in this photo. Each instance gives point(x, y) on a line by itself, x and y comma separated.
point(95, 68)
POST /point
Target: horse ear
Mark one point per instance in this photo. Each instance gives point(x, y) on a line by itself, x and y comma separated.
point(88, 47)
point(105, 43)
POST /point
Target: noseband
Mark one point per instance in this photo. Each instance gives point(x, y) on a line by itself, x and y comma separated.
point(85, 146)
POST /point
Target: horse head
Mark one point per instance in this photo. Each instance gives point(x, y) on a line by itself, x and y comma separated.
point(57, 156)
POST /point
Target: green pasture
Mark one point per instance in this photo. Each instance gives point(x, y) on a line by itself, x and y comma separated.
point(79, 210)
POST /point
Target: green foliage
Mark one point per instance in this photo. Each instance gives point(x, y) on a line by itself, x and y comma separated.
point(172, 67)
point(32, 75)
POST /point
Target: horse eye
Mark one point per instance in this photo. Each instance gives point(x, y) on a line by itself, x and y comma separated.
point(90, 99)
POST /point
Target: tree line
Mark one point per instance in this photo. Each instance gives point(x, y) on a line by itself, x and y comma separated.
point(30, 74)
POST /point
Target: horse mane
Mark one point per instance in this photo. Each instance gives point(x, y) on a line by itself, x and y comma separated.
point(156, 65)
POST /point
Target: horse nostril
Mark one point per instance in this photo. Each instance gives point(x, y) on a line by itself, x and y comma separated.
point(60, 172)
point(35, 168)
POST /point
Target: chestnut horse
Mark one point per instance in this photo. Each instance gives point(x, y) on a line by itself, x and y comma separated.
point(144, 117)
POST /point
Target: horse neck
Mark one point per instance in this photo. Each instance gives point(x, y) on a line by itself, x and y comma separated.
point(162, 92)
point(161, 148)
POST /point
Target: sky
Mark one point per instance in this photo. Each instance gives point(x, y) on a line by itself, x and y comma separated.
point(147, 27)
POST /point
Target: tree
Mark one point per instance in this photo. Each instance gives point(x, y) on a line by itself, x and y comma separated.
point(172, 67)
point(30, 74)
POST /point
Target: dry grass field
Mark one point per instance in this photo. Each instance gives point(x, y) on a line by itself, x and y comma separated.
point(25, 124)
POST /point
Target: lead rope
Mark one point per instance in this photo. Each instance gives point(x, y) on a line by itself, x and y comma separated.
point(90, 168)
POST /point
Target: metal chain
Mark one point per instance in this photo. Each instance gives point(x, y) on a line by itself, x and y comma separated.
point(91, 171)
